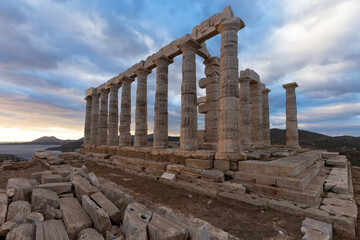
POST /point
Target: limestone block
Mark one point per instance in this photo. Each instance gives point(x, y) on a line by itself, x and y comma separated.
point(337, 162)
point(190, 172)
point(24, 231)
point(51, 230)
point(199, 163)
point(119, 198)
point(320, 226)
point(311, 234)
point(135, 223)
point(222, 165)
point(337, 181)
point(42, 155)
point(82, 187)
point(90, 234)
point(339, 207)
point(90, 92)
point(22, 189)
point(248, 201)
point(168, 176)
point(59, 188)
point(110, 208)
point(161, 227)
point(206, 107)
point(3, 207)
point(203, 154)
point(174, 168)
point(98, 215)
point(52, 213)
point(55, 160)
point(74, 216)
point(43, 197)
point(38, 175)
point(51, 178)
point(18, 211)
point(201, 100)
point(7, 227)
point(232, 187)
point(203, 230)
point(212, 175)
point(35, 218)
point(250, 74)
point(328, 155)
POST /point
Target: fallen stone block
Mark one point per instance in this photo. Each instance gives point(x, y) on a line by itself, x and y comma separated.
point(51, 230)
point(22, 189)
point(24, 231)
point(63, 195)
point(55, 160)
point(18, 211)
point(42, 155)
point(212, 175)
point(161, 227)
point(93, 180)
point(63, 187)
point(311, 234)
point(98, 215)
point(51, 178)
point(119, 198)
point(83, 187)
point(339, 207)
point(3, 207)
point(201, 229)
point(7, 227)
point(90, 234)
point(74, 216)
point(319, 226)
point(43, 197)
point(337, 162)
point(136, 219)
point(109, 207)
point(35, 218)
point(52, 213)
point(328, 155)
point(168, 176)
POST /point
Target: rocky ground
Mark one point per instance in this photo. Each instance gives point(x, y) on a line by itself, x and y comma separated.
point(10, 158)
point(242, 223)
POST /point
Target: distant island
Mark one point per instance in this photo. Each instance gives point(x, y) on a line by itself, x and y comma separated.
point(41, 141)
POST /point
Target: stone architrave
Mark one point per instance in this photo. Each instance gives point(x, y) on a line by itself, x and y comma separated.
point(292, 134)
point(113, 121)
point(245, 111)
point(256, 113)
point(266, 117)
point(141, 127)
point(161, 102)
point(94, 118)
point(103, 119)
point(188, 129)
point(125, 114)
point(228, 131)
point(87, 129)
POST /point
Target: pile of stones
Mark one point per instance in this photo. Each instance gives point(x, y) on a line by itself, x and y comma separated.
point(69, 203)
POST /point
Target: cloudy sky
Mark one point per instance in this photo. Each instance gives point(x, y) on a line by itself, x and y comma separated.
point(52, 51)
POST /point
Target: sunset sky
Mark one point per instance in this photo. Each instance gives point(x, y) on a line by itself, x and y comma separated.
point(52, 51)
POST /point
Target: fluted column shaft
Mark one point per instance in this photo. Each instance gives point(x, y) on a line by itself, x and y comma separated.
point(228, 132)
point(125, 114)
point(161, 103)
point(292, 133)
point(256, 113)
point(87, 129)
point(113, 121)
point(188, 129)
point(245, 111)
point(94, 119)
point(103, 120)
point(141, 127)
point(266, 117)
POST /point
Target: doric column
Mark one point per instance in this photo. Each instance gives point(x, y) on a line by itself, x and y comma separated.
point(292, 134)
point(94, 118)
point(228, 132)
point(87, 129)
point(256, 113)
point(103, 120)
point(245, 111)
point(141, 127)
point(161, 102)
point(188, 129)
point(266, 117)
point(125, 114)
point(113, 115)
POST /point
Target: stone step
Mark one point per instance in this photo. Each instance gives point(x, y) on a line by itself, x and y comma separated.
point(286, 167)
point(247, 201)
point(300, 182)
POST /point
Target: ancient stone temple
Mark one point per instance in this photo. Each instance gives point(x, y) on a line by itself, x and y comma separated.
point(231, 159)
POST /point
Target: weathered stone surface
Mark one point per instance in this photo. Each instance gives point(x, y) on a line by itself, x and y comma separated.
point(98, 215)
point(339, 207)
point(59, 188)
point(199, 163)
point(34, 218)
point(168, 176)
point(247, 201)
point(51, 230)
point(42, 198)
point(22, 189)
point(55, 160)
point(51, 178)
point(337, 181)
point(109, 207)
point(292, 133)
point(213, 175)
point(136, 219)
point(329, 155)
point(6, 227)
point(24, 231)
point(90, 234)
point(18, 211)
point(83, 187)
point(52, 213)
point(232, 187)
point(119, 198)
point(93, 179)
point(3, 207)
point(161, 227)
point(42, 155)
point(74, 216)
point(311, 234)
point(320, 226)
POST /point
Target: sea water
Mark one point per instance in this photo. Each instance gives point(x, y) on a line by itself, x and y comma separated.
point(25, 151)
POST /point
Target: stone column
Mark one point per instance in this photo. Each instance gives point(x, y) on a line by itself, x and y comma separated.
point(245, 111)
point(188, 129)
point(141, 127)
point(103, 120)
point(292, 134)
point(256, 113)
point(228, 131)
point(125, 114)
point(113, 115)
point(87, 130)
point(94, 118)
point(266, 117)
point(161, 102)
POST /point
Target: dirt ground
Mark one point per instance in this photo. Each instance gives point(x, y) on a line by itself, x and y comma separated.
point(242, 223)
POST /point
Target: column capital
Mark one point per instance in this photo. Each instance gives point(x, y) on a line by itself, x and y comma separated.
point(250, 74)
point(232, 23)
point(125, 79)
point(90, 92)
point(244, 80)
point(189, 43)
point(163, 59)
point(290, 85)
point(266, 90)
point(142, 71)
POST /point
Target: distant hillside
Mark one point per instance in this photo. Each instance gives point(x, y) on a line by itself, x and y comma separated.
point(69, 146)
point(278, 136)
point(49, 141)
